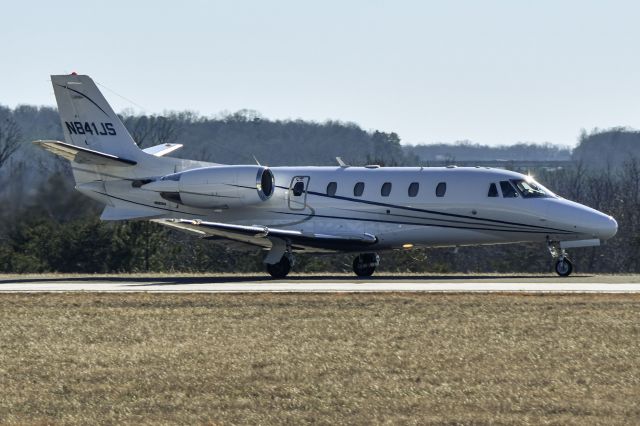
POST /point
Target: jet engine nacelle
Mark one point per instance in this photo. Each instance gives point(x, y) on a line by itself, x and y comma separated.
point(216, 187)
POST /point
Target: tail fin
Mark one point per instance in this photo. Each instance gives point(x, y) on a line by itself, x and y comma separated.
point(87, 119)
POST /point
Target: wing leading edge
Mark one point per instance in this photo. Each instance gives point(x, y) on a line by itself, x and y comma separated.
point(263, 235)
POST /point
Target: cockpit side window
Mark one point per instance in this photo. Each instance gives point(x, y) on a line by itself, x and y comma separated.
point(508, 191)
point(493, 190)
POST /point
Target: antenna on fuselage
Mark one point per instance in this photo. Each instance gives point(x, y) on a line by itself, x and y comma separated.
point(256, 160)
point(341, 163)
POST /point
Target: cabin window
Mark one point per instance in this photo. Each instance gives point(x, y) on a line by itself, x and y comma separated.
point(298, 189)
point(413, 189)
point(332, 188)
point(508, 191)
point(386, 189)
point(441, 189)
point(493, 190)
point(358, 189)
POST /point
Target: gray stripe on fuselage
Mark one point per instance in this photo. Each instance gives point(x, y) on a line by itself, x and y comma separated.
point(525, 231)
point(415, 209)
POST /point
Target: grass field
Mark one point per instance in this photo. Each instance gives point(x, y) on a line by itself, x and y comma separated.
point(327, 359)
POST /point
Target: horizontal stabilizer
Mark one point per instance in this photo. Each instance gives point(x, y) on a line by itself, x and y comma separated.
point(162, 149)
point(117, 213)
point(81, 155)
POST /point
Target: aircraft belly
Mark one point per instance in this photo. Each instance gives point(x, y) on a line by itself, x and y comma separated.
point(398, 235)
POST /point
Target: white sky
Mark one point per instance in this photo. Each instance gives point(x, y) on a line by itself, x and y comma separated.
point(493, 72)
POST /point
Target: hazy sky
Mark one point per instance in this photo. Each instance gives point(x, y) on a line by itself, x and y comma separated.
point(493, 72)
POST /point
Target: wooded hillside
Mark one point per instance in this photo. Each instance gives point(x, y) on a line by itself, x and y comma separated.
point(47, 226)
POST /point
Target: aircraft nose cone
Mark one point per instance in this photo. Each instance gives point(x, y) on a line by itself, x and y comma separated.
point(607, 227)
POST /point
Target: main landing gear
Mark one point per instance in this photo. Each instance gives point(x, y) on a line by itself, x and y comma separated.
point(364, 265)
point(563, 266)
point(281, 268)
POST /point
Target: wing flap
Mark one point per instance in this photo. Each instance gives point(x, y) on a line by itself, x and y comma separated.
point(262, 235)
point(81, 155)
point(120, 213)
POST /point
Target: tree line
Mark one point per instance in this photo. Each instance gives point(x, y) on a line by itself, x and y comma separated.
point(48, 226)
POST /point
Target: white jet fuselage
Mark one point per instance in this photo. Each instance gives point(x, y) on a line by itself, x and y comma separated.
point(397, 205)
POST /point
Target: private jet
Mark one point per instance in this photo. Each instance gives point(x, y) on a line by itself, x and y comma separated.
point(288, 210)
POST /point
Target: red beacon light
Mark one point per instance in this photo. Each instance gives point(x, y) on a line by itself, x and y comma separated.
point(74, 73)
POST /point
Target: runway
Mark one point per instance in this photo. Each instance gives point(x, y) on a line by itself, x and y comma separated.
point(320, 284)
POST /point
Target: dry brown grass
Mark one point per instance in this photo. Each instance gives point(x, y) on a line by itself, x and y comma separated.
point(328, 359)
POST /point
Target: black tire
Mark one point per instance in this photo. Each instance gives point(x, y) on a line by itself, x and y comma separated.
point(361, 270)
point(280, 269)
point(564, 267)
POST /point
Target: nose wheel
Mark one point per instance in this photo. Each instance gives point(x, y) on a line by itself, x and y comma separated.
point(563, 266)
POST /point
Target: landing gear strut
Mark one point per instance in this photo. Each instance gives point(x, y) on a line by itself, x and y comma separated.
point(282, 268)
point(364, 265)
point(563, 265)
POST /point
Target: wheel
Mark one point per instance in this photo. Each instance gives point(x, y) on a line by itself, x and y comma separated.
point(564, 267)
point(365, 264)
point(280, 269)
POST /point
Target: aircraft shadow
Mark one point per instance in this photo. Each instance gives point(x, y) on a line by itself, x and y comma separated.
point(224, 279)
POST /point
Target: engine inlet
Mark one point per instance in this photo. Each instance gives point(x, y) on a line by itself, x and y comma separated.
point(265, 183)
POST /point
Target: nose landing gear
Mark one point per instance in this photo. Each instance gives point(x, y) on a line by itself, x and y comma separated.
point(563, 266)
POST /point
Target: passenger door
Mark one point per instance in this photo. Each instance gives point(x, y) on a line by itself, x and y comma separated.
point(298, 192)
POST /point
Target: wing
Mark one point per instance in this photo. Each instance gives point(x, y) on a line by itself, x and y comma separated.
point(264, 236)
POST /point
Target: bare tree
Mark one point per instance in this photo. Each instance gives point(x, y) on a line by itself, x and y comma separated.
point(153, 130)
point(166, 130)
point(140, 128)
point(9, 137)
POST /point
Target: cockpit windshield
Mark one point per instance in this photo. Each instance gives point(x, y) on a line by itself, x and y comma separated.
point(531, 189)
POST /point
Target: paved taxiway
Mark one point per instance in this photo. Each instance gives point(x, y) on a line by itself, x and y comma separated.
point(321, 284)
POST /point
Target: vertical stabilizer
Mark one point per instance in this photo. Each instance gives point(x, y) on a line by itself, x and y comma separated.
point(87, 119)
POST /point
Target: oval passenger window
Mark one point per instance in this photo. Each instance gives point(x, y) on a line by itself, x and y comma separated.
point(298, 189)
point(413, 189)
point(332, 188)
point(386, 189)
